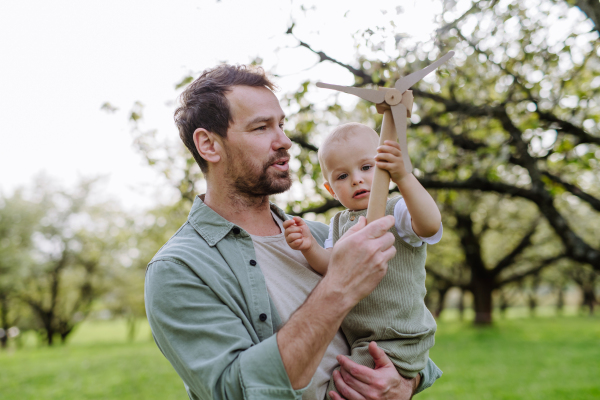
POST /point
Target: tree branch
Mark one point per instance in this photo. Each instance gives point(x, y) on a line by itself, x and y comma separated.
point(543, 264)
point(439, 276)
point(591, 200)
point(459, 140)
point(568, 127)
point(328, 205)
point(509, 259)
point(303, 143)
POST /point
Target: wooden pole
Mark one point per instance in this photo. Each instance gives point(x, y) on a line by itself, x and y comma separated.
point(381, 178)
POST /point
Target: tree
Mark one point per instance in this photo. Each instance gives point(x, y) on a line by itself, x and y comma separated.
point(18, 221)
point(501, 242)
point(73, 249)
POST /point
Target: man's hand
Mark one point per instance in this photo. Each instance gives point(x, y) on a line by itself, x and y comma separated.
point(389, 158)
point(357, 382)
point(359, 259)
point(297, 234)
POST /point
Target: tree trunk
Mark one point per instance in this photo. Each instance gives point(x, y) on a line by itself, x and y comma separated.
point(461, 305)
point(64, 334)
point(50, 336)
point(440, 305)
point(482, 301)
point(560, 302)
point(589, 298)
point(503, 304)
point(4, 321)
point(131, 328)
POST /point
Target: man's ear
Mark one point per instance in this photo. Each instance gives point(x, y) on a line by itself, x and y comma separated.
point(208, 145)
point(330, 190)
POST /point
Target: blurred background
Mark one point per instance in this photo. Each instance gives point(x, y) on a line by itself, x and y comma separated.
point(94, 179)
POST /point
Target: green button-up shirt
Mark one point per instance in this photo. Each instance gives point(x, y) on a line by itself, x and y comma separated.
point(206, 301)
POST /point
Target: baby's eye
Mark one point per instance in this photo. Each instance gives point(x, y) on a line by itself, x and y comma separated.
point(342, 176)
point(366, 167)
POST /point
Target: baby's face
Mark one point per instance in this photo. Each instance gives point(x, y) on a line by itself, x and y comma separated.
point(350, 166)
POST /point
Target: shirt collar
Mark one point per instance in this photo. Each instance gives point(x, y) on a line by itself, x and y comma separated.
point(211, 226)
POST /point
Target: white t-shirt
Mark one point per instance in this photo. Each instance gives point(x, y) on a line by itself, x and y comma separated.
point(289, 281)
point(403, 227)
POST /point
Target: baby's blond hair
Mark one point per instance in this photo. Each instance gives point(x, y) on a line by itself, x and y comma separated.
point(342, 133)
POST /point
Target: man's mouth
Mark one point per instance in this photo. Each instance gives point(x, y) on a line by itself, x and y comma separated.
point(361, 193)
point(281, 164)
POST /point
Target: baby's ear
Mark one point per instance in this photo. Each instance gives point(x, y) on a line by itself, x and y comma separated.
point(329, 189)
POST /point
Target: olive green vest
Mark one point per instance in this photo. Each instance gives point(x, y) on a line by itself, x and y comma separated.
point(394, 314)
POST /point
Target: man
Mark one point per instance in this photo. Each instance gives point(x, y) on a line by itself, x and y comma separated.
point(239, 315)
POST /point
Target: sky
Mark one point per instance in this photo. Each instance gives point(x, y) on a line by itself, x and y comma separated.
point(60, 60)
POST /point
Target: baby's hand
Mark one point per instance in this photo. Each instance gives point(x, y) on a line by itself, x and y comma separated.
point(389, 158)
point(297, 234)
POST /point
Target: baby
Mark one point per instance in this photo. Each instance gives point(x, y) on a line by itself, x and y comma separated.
point(394, 314)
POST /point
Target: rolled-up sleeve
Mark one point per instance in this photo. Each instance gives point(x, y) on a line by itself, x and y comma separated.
point(429, 375)
point(208, 340)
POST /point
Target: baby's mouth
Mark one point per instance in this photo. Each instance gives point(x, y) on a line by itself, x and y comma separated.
point(360, 194)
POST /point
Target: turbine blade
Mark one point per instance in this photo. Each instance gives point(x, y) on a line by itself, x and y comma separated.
point(374, 96)
point(406, 82)
point(399, 113)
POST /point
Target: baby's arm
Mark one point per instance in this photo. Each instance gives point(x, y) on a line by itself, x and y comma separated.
point(426, 217)
point(298, 236)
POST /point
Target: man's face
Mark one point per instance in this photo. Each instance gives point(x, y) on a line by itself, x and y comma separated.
point(256, 146)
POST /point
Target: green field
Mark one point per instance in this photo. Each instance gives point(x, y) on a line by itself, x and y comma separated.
point(540, 358)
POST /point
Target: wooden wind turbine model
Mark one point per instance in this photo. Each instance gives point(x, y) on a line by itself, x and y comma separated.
point(395, 104)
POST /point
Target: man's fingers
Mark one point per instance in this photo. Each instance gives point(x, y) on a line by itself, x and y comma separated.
point(335, 396)
point(344, 389)
point(360, 372)
point(354, 383)
point(379, 357)
point(390, 252)
point(362, 222)
point(379, 227)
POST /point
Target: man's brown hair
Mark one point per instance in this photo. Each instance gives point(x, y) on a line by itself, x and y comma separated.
point(203, 103)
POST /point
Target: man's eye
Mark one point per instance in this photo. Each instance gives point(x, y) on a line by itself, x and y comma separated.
point(261, 128)
point(366, 167)
point(281, 125)
point(342, 176)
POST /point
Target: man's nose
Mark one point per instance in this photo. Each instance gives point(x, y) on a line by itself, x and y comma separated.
point(282, 141)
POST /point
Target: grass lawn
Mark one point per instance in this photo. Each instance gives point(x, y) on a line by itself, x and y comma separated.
point(540, 358)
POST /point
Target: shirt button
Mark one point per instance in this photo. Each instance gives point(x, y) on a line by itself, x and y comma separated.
point(262, 317)
point(352, 218)
point(236, 231)
point(252, 262)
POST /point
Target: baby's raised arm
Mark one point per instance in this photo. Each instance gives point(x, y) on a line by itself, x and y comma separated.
point(426, 217)
point(298, 236)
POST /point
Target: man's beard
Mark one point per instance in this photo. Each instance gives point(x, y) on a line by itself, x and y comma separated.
point(249, 182)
